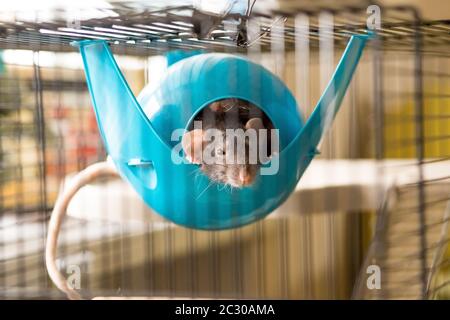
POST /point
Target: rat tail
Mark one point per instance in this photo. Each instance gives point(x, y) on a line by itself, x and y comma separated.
point(59, 212)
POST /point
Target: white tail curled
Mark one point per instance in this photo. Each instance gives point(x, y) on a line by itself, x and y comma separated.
point(59, 211)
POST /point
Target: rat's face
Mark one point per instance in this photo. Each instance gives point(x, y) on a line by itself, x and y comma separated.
point(224, 156)
point(232, 167)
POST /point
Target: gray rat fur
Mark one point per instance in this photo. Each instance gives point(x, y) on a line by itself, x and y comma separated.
point(231, 114)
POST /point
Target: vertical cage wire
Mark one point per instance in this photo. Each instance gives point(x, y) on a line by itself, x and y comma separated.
point(412, 224)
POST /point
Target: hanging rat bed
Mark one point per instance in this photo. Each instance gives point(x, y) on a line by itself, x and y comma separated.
point(140, 144)
point(137, 135)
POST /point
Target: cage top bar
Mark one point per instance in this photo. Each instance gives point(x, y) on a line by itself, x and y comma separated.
point(138, 30)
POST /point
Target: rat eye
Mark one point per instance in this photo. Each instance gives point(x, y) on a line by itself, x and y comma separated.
point(220, 151)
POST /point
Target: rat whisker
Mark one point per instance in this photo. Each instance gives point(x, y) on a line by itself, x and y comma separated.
point(195, 171)
point(227, 108)
point(223, 187)
point(207, 187)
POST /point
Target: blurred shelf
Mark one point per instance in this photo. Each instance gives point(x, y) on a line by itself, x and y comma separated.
point(327, 186)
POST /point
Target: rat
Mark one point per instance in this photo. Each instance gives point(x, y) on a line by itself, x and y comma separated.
point(220, 116)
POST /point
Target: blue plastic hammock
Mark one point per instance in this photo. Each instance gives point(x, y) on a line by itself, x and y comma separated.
point(137, 133)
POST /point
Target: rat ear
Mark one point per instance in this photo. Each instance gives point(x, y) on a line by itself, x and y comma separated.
point(192, 143)
point(216, 106)
point(254, 123)
point(224, 105)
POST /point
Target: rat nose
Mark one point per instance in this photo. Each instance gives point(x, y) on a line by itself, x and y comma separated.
point(244, 177)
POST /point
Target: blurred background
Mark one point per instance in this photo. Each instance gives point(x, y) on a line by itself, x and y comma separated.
point(378, 194)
